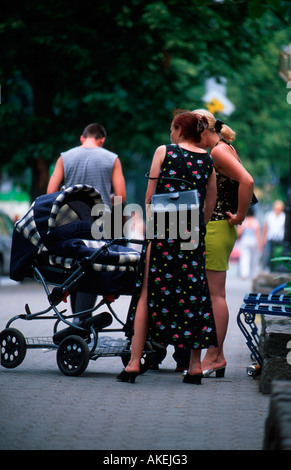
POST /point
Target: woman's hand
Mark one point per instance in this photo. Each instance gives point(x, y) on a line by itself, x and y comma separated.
point(234, 219)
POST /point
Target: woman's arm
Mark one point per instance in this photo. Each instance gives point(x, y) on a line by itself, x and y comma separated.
point(157, 161)
point(227, 163)
point(210, 199)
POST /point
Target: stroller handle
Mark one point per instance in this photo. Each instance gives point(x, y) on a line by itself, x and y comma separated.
point(123, 241)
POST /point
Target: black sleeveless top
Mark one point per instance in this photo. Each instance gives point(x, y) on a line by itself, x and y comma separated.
point(227, 196)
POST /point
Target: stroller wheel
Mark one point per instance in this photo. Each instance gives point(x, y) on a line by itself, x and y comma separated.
point(73, 355)
point(12, 348)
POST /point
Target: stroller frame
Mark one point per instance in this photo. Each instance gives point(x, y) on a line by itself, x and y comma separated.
point(80, 343)
point(54, 245)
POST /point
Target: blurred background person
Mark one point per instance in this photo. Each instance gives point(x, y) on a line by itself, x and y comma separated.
point(249, 233)
point(273, 232)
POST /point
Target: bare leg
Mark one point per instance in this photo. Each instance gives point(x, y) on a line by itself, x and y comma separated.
point(214, 357)
point(195, 362)
point(140, 323)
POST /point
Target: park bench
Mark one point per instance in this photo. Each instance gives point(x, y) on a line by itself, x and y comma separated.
point(273, 304)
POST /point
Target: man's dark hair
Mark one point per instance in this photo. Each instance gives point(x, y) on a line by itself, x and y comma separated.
point(94, 130)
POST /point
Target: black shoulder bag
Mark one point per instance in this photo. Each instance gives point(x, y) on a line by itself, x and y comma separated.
point(176, 200)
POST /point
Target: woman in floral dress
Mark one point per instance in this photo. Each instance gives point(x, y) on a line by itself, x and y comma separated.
point(171, 303)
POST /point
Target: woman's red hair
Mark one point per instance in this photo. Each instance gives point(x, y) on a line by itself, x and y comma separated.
point(191, 124)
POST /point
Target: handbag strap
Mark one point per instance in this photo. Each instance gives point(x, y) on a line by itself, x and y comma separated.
point(173, 178)
point(183, 158)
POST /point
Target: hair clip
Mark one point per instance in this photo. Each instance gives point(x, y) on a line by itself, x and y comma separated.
point(201, 125)
point(218, 125)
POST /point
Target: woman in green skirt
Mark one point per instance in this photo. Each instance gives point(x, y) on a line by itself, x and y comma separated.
point(234, 193)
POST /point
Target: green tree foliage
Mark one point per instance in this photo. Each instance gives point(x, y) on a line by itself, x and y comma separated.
point(262, 118)
point(124, 64)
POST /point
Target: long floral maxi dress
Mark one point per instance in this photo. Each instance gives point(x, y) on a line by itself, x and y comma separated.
point(179, 305)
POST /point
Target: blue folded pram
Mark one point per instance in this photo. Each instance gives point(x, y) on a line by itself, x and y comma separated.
point(55, 235)
point(53, 244)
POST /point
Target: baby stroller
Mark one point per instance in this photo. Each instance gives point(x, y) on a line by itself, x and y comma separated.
point(53, 244)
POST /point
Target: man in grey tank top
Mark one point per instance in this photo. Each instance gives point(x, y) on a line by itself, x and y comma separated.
point(89, 164)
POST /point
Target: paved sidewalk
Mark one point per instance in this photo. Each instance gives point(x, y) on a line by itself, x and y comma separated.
point(42, 409)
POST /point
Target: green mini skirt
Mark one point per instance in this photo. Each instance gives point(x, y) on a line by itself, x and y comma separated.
point(219, 241)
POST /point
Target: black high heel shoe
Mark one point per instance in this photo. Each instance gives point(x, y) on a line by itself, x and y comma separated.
point(127, 376)
point(193, 379)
